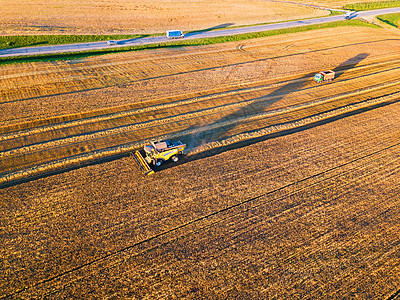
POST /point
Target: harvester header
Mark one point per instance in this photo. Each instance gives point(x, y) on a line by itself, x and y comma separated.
point(143, 165)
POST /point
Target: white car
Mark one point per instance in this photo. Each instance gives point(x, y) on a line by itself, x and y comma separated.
point(110, 43)
point(175, 34)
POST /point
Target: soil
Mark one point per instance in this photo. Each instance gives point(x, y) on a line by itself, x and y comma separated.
point(289, 189)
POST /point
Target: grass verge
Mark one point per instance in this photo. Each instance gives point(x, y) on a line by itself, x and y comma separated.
point(391, 19)
point(7, 42)
point(181, 43)
point(335, 12)
point(372, 5)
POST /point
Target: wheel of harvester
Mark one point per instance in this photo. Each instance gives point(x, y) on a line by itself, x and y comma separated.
point(158, 162)
point(175, 158)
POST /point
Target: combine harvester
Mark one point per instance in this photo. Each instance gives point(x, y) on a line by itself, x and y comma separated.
point(324, 76)
point(157, 153)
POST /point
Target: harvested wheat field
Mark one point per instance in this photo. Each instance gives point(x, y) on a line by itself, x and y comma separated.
point(141, 16)
point(289, 189)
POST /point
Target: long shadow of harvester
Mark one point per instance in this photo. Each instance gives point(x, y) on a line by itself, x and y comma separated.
point(256, 105)
point(210, 135)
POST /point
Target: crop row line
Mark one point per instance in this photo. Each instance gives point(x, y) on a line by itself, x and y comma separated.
point(326, 150)
point(305, 153)
point(131, 112)
point(160, 55)
point(224, 64)
point(212, 222)
point(113, 63)
point(100, 118)
point(186, 116)
point(118, 150)
point(171, 119)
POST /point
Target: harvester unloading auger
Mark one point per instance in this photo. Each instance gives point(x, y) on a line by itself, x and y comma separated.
point(157, 153)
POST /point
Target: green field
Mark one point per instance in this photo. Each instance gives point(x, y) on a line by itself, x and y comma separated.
point(391, 19)
point(372, 5)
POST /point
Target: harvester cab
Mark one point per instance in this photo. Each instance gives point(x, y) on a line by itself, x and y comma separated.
point(323, 76)
point(318, 77)
point(159, 152)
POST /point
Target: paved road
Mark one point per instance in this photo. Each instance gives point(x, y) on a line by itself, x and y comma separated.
point(194, 35)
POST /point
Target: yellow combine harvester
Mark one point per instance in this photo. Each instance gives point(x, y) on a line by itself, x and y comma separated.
point(157, 153)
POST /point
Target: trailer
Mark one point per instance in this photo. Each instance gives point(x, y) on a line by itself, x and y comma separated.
point(324, 76)
point(175, 34)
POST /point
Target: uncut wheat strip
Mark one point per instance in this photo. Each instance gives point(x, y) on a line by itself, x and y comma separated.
point(214, 110)
point(127, 113)
point(99, 154)
point(138, 111)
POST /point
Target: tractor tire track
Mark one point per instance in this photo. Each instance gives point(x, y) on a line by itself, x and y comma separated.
point(8, 178)
point(212, 219)
point(237, 104)
point(72, 141)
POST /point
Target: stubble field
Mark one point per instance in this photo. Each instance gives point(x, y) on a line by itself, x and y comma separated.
point(140, 16)
point(290, 189)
